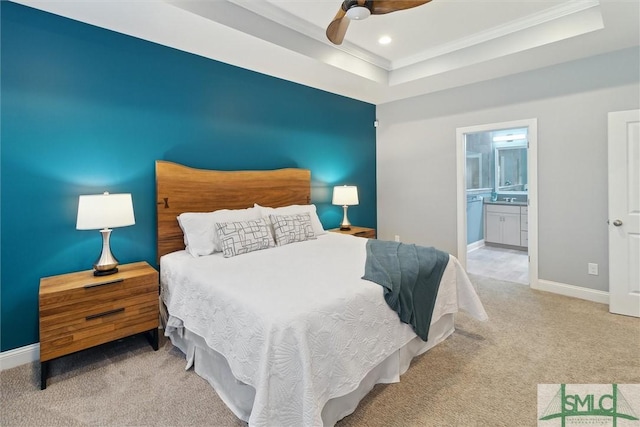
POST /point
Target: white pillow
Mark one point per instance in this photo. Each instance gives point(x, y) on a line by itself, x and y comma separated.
point(292, 228)
point(199, 228)
point(295, 209)
point(242, 237)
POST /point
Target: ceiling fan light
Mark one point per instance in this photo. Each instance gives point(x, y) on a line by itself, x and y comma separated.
point(358, 13)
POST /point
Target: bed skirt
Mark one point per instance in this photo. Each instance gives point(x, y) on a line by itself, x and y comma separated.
point(239, 397)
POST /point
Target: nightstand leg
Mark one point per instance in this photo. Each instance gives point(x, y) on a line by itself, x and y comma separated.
point(44, 372)
point(152, 337)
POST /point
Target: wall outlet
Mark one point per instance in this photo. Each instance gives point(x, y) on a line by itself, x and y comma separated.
point(397, 238)
point(592, 268)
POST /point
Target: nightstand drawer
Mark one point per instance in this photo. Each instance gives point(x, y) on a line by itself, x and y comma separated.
point(86, 298)
point(74, 320)
point(63, 338)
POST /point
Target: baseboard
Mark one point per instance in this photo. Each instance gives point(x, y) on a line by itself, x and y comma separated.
point(572, 291)
point(475, 245)
point(19, 356)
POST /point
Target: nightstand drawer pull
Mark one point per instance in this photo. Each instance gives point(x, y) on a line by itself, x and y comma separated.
point(106, 313)
point(110, 282)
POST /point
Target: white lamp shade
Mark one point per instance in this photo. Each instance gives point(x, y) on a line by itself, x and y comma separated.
point(106, 210)
point(345, 195)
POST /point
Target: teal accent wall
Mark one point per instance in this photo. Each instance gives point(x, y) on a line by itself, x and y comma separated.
point(86, 110)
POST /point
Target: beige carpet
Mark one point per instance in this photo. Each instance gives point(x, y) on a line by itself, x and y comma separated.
point(486, 374)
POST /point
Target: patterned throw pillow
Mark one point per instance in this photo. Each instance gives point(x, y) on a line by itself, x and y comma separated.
point(292, 228)
point(244, 236)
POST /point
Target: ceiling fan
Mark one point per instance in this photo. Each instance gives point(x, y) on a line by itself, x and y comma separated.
point(361, 9)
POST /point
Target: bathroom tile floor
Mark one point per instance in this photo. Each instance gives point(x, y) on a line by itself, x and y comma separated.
point(499, 263)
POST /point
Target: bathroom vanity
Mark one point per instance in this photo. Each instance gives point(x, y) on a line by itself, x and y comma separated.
point(506, 223)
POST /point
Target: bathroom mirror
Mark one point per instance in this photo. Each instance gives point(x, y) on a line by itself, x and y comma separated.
point(511, 169)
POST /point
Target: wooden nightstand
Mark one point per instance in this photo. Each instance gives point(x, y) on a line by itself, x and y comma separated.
point(369, 233)
point(80, 310)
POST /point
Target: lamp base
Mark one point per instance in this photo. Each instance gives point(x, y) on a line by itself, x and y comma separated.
point(106, 263)
point(345, 224)
point(98, 273)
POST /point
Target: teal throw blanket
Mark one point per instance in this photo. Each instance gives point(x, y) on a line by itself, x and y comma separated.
point(410, 276)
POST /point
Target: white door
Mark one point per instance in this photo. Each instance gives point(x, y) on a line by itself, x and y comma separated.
point(624, 212)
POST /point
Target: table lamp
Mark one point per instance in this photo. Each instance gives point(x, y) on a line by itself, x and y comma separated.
point(345, 195)
point(103, 212)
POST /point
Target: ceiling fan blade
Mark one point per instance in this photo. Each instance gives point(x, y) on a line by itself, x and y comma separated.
point(381, 7)
point(338, 27)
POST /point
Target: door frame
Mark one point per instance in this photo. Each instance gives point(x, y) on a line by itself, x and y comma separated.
point(532, 179)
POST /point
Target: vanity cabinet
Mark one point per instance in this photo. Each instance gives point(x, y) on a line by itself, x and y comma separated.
point(524, 226)
point(503, 225)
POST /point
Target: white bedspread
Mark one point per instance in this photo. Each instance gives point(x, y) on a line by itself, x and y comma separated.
point(297, 322)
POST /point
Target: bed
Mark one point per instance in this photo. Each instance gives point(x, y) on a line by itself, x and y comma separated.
point(287, 335)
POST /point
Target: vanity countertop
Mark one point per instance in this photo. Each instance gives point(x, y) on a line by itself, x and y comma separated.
point(502, 202)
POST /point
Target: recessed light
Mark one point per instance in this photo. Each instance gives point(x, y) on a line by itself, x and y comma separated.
point(384, 40)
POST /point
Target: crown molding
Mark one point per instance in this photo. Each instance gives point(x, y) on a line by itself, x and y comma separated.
point(545, 16)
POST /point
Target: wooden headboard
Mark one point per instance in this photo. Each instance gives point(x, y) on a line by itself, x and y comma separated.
point(183, 189)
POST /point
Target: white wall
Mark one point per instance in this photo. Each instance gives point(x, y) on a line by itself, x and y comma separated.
point(416, 158)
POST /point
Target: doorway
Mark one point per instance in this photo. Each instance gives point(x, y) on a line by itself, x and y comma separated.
point(497, 176)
